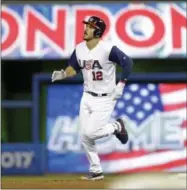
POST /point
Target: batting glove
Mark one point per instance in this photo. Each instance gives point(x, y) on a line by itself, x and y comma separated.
point(118, 91)
point(58, 75)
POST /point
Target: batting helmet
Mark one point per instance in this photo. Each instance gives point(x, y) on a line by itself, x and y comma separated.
point(98, 24)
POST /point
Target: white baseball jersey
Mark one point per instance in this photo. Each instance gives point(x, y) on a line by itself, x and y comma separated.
point(98, 72)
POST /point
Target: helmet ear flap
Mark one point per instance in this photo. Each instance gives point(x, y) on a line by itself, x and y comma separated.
point(97, 33)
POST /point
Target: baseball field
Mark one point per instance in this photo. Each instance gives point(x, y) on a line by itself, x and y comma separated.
point(140, 180)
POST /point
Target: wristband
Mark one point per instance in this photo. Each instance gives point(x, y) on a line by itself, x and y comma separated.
point(64, 74)
point(123, 81)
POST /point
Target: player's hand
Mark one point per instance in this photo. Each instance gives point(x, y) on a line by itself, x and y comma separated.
point(118, 91)
point(58, 75)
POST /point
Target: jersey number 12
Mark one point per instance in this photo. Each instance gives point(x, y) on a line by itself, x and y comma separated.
point(97, 75)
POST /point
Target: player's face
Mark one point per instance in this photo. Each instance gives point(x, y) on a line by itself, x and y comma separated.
point(88, 32)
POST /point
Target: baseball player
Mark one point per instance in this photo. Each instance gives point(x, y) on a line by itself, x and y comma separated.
point(97, 60)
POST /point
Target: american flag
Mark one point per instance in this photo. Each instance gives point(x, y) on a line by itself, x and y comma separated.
point(139, 102)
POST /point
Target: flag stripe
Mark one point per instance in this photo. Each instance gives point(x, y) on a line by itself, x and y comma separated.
point(185, 144)
point(172, 107)
point(184, 124)
point(180, 113)
point(144, 161)
point(175, 97)
point(167, 88)
point(126, 155)
point(177, 169)
point(159, 167)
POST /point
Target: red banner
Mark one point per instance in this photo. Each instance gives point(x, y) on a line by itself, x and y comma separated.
point(52, 31)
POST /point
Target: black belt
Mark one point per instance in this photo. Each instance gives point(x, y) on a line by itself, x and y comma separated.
point(97, 95)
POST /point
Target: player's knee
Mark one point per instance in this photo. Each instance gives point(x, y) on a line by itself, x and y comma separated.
point(87, 135)
point(83, 137)
point(85, 141)
point(90, 134)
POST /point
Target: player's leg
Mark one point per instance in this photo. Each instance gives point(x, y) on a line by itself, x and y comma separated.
point(99, 122)
point(89, 144)
point(98, 117)
point(98, 126)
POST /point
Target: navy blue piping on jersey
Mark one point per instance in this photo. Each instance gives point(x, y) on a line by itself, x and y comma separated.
point(119, 57)
point(73, 62)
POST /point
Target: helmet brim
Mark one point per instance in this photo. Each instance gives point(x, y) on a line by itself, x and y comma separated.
point(85, 22)
point(91, 24)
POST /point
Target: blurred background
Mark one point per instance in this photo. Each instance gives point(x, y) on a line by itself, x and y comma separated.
point(39, 120)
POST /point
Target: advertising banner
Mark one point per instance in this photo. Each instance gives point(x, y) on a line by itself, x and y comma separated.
point(20, 158)
point(155, 117)
point(51, 31)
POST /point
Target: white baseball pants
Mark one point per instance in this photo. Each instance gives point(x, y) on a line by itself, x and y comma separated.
point(95, 113)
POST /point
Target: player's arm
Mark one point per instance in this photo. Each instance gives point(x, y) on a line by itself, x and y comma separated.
point(119, 57)
point(72, 69)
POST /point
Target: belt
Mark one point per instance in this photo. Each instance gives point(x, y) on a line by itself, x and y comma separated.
point(97, 95)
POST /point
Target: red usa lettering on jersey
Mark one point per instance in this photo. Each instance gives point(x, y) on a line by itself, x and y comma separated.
point(89, 64)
